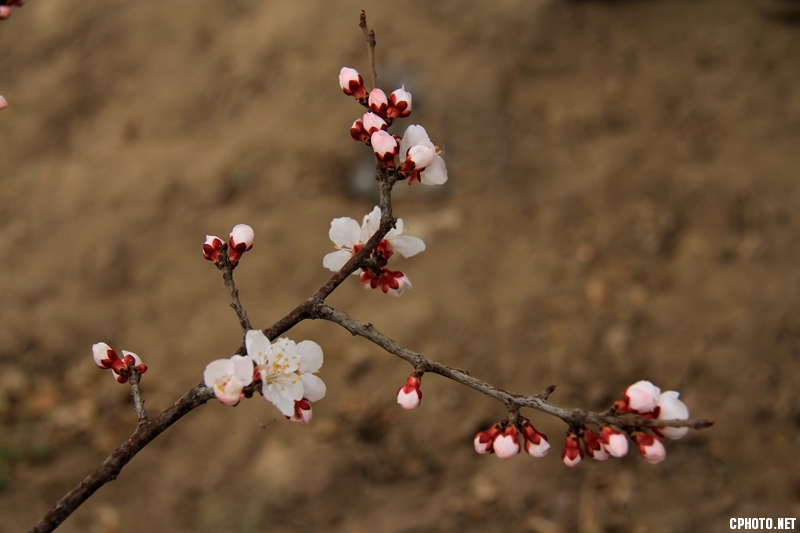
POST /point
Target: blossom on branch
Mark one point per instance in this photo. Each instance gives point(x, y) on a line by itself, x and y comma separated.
point(106, 358)
point(287, 371)
point(641, 397)
point(228, 377)
point(385, 147)
point(419, 159)
point(352, 84)
point(241, 240)
point(212, 248)
point(671, 408)
point(378, 103)
point(349, 238)
point(650, 447)
point(409, 395)
point(614, 442)
point(399, 105)
point(572, 453)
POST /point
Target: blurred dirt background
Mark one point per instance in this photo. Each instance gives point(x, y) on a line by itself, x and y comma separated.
point(622, 205)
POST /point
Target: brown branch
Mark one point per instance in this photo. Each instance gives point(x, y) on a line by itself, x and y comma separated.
point(369, 35)
point(112, 466)
point(512, 401)
point(138, 401)
point(236, 304)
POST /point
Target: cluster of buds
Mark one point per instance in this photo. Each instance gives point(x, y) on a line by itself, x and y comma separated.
point(643, 399)
point(106, 358)
point(348, 238)
point(419, 159)
point(241, 240)
point(506, 439)
point(600, 446)
point(285, 370)
point(5, 10)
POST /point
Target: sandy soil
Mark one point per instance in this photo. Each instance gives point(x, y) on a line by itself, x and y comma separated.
point(662, 135)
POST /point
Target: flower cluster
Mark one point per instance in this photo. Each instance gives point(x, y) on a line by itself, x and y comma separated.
point(506, 439)
point(644, 399)
point(348, 238)
point(286, 371)
point(5, 10)
point(106, 358)
point(240, 240)
point(419, 159)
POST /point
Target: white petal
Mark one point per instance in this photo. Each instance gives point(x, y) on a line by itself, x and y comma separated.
point(280, 399)
point(372, 222)
point(216, 369)
point(344, 232)
point(258, 346)
point(313, 388)
point(242, 369)
point(407, 246)
point(336, 260)
point(310, 356)
point(435, 173)
point(414, 135)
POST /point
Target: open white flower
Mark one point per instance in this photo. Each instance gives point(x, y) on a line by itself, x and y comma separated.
point(349, 238)
point(420, 159)
point(228, 378)
point(286, 370)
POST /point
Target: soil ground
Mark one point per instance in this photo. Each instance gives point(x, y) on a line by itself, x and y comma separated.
point(622, 205)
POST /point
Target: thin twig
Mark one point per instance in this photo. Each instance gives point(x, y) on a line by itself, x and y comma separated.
point(236, 304)
point(138, 401)
point(512, 401)
point(369, 35)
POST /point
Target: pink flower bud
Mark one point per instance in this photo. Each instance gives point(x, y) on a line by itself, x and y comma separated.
point(506, 444)
point(671, 408)
point(373, 123)
point(378, 103)
point(536, 443)
point(399, 104)
point(241, 240)
point(642, 397)
point(302, 412)
point(385, 147)
point(572, 453)
point(358, 132)
point(614, 442)
point(352, 84)
point(650, 447)
point(212, 248)
point(3, 102)
point(5, 12)
point(104, 355)
point(409, 395)
point(594, 448)
point(484, 440)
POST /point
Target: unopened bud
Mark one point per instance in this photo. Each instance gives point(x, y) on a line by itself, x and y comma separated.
point(615, 443)
point(212, 248)
point(506, 444)
point(385, 147)
point(572, 453)
point(409, 395)
point(399, 104)
point(650, 447)
point(352, 84)
point(241, 240)
point(378, 103)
